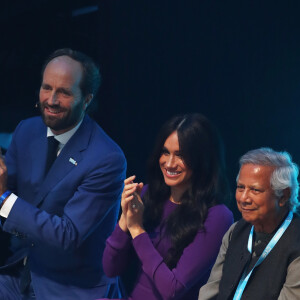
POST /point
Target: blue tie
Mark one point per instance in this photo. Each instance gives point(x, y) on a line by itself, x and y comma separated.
point(52, 152)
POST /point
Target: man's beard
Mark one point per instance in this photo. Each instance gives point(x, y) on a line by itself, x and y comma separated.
point(69, 119)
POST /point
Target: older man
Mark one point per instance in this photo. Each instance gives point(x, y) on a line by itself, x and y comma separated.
point(260, 255)
point(61, 197)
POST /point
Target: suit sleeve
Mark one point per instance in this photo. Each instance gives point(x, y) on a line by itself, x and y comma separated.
point(195, 262)
point(98, 193)
point(11, 162)
point(291, 287)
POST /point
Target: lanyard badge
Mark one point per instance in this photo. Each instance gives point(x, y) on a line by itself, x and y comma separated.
point(267, 250)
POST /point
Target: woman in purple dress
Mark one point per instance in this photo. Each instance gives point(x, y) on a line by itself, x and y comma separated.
point(170, 231)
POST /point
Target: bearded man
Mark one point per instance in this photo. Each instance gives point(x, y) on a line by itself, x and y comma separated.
point(60, 187)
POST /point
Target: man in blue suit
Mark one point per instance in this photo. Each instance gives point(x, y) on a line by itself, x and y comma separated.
point(56, 218)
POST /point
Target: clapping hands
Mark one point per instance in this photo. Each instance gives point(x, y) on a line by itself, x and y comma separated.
point(132, 208)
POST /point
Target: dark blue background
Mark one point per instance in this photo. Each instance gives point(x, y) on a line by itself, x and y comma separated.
point(236, 62)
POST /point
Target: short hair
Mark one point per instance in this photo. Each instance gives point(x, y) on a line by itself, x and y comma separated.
point(284, 175)
point(91, 77)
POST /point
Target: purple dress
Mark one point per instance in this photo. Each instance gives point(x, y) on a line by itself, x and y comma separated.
point(155, 281)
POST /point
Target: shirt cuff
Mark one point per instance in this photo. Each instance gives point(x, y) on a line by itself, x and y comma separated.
point(7, 206)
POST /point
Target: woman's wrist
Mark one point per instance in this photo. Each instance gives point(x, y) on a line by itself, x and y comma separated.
point(122, 223)
point(135, 231)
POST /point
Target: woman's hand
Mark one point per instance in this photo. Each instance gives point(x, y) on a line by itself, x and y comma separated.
point(127, 195)
point(132, 208)
point(135, 213)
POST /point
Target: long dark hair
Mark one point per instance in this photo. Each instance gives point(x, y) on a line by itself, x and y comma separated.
point(202, 152)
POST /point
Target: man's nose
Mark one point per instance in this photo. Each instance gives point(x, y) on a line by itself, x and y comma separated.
point(245, 196)
point(53, 98)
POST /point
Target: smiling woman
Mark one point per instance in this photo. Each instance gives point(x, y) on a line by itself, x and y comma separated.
point(176, 174)
point(170, 231)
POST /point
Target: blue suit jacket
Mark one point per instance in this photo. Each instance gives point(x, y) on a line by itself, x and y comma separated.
point(61, 221)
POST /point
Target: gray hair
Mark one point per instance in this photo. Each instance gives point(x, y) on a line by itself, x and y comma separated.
point(285, 173)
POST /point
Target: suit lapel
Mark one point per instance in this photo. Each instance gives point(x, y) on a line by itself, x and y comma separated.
point(69, 158)
point(38, 153)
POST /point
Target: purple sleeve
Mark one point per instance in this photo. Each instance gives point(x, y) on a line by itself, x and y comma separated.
point(196, 260)
point(116, 252)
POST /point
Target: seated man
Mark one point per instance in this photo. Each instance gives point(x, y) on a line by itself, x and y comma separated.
point(60, 204)
point(260, 255)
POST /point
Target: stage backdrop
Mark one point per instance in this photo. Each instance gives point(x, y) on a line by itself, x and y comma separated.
point(237, 63)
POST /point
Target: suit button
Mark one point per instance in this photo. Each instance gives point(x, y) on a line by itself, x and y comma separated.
point(32, 244)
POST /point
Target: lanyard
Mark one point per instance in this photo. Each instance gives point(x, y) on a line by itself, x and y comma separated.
point(270, 246)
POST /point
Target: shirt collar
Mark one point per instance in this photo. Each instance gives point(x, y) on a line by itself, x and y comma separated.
point(64, 137)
